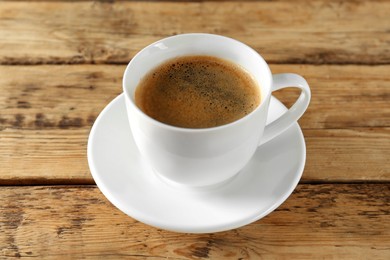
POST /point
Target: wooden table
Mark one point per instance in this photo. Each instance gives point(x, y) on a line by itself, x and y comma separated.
point(61, 62)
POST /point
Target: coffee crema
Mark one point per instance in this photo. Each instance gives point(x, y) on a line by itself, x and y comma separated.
point(197, 92)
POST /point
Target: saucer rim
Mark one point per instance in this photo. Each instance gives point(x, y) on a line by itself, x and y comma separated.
point(142, 217)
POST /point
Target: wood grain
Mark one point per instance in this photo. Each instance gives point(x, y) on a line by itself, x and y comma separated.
point(56, 97)
point(314, 32)
point(37, 97)
point(46, 113)
point(59, 156)
point(342, 96)
point(317, 221)
point(347, 155)
point(44, 157)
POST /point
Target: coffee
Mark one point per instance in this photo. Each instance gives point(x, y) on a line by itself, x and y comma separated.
point(197, 92)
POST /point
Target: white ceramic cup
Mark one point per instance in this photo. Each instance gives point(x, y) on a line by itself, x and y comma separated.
point(207, 156)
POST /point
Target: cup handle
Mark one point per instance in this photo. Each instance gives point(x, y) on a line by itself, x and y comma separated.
point(295, 112)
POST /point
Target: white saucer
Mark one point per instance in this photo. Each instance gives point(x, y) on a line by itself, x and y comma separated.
point(130, 184)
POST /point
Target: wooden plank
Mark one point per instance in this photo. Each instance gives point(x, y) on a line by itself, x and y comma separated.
point(46, 113)
point(112, 32)
point(51, 156)
point(44, 157)
point(347, 155)
point(342, 96)
point(317, 221)
point(37, 97)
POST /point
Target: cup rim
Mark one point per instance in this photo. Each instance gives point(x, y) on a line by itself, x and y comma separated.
point(198, 130)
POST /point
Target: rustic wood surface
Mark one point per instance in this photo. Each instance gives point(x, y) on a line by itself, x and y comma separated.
point(62, 61)
point(47, 112)
point(112, 32)
point(316, 222)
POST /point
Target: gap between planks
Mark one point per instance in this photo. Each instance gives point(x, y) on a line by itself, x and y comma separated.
point(89, 183)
